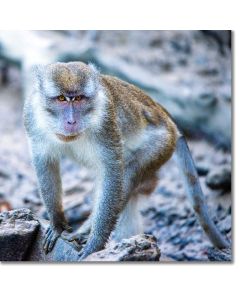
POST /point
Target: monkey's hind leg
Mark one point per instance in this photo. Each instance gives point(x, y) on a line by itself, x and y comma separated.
point(129, 222)
point(81, 235)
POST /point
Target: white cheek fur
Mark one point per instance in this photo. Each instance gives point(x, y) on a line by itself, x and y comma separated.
point(40, 114)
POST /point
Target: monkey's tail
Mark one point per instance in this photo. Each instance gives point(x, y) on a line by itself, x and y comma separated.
point(195, 193)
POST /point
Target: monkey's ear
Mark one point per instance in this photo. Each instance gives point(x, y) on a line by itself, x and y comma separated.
point(93, 83)
point(36, 73)
point(95, 71)
point(93, 67)
point(37, 70)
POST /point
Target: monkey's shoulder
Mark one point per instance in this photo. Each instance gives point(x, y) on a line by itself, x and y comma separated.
point(121, 90)
point(134, 103)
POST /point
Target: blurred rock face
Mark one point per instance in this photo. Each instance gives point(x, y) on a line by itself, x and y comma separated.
point(220, 178)
point(189, 72)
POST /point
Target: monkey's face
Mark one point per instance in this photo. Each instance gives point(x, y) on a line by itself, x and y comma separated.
point(69, 101)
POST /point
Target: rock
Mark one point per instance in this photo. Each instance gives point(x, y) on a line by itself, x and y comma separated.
point(63, 250)
point(220, 255)
point(202, 169)
point(220, 178)
point(138, 248)
point(225, 225)
point(21, 238)
point(222, 37)
point(18, 229)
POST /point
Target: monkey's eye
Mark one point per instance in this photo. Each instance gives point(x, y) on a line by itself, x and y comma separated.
point(61, 98)
point(78, 98)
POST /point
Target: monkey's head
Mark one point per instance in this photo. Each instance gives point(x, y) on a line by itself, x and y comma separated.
point(69, 97)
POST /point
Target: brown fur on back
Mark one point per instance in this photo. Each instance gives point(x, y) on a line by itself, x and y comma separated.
point(134, 102)
point(136, 111)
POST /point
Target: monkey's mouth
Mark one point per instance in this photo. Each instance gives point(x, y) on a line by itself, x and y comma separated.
point(67, 138)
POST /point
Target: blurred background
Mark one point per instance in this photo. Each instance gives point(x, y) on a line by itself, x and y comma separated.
point(188, 72)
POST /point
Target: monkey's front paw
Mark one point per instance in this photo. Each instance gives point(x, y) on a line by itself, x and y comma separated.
point(50, 239)
point(80, 238)
point(66, 227)
point(93, 245)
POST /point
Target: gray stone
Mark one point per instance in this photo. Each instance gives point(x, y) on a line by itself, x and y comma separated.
point(220, 178)
point(18, 229)
point(21, 238)
point(138, 248)
point(225, 225)
point(202, 169)
point(220, 255)
point(63, 250)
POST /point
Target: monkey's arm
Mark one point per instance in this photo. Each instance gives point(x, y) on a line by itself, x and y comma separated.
point(49, 180)
point(108, 205)
point(195, 193)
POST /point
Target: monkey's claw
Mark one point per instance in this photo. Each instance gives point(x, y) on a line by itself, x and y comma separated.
point(50, 239)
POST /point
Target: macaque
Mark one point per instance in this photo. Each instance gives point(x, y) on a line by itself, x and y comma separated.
point(113, 128)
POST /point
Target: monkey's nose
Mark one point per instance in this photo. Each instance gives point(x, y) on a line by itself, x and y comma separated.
point(72, 122)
